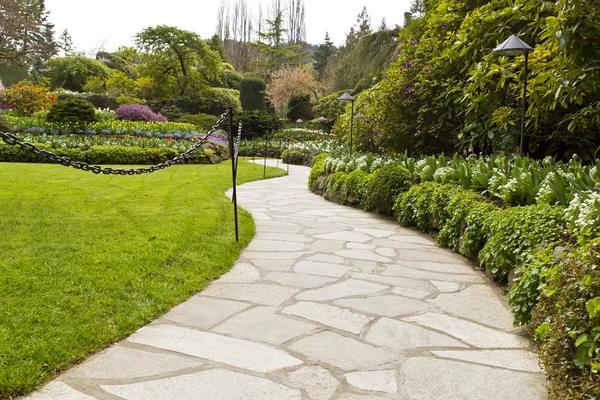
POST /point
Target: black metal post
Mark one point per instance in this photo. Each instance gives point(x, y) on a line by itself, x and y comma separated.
point(522, 149)
point(265, 167)
point(351, 127)
point(288, 153)
point(233, 174)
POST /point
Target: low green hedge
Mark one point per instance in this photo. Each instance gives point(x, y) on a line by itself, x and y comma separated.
point(123, 155)
point(556, 295)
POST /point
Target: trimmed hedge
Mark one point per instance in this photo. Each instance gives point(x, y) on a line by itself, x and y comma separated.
point(123, 155)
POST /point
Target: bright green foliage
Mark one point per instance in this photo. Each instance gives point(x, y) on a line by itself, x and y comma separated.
point(73, 72)
point(120, 84)
point(567, 325)
point(447, 90)
point(329, 107)
point(534, 272)
point(258, 123)
point(28, 98)
point(203, 121)
point(178, 60)
point(317, 170)
point(516, 231)
point(116, 62)
point(385, 186)
point(252, 94)
point(136, 247)
point(72, 111)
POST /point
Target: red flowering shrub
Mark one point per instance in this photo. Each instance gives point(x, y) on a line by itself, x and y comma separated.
point(28, 98)
point(138, 112)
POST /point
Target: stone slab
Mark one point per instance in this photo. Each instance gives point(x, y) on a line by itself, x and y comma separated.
point(216, 384)
point(414, 293)
point(402, 335)
point(286, 237)
point(478, 303)
point(328, 258)
point(359, 246)
point(378, 233)
point(413, 273)
point(393, 281)
point(363, 255)
point(321, 268)
point(274, 245)
point(241, 273)
point(518, 360)
point(350, 287)
point(317, 381)
point(470, 332)
point(268, 295)
point(446, 268)
point(378, 381)
point(322, 246)
point(388, 306)
point(262, 324)
point(329, 315)
point(58, 391)
point(446, 287)
point(302, 281)
point(427, 379)
point(125, 363)
point(210, 346)
point(281, 255)
point(274, 265)
point(342, 352)
point(204, 312)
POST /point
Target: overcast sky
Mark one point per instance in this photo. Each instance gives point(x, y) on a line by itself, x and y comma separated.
point(113, 23)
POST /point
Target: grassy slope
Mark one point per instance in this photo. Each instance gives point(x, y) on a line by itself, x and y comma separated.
point(85, 260)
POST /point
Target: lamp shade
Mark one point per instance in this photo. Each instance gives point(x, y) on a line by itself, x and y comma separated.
point(513, 46)
point(322, 119)
point(346, 97)
point(299, 121)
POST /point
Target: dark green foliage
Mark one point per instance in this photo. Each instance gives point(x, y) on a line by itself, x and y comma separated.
point(258, 123)
point(357, 186)
point(296, 157)
point(252, 94)
point(385, 186)
point(317, 170)
point(71, 111)
point(171, 112)
point(202, 121)
point(101, 101)
point(462, 202)
point(567, 324)
point(73, 72)
point(300, 108)
point(517, 230)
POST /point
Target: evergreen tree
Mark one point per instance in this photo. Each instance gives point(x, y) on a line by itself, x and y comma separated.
point(363, 23)
point(275, 53)
point(323, 53)
point(418, 8)
point(65, 43)
point(383, 25)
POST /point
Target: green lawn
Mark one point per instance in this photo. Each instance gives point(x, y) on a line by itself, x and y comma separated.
point(87, 259)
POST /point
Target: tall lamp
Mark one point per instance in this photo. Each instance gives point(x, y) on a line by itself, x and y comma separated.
point(347, 98)
point(513, 46)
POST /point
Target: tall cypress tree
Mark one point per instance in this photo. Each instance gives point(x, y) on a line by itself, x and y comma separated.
point(323, 53)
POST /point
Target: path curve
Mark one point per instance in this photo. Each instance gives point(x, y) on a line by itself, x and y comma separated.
point(327, 302)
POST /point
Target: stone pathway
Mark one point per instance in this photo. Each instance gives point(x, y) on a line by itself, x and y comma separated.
point(327, 302)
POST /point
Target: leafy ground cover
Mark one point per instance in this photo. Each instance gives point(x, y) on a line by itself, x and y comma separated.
point(86, 260)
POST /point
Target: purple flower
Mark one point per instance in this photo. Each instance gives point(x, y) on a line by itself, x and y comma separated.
point(444, 26)
point(367, 121)
point(375, 132)
point(413, 40)
point(420, 129)
point(380, 121)
point(408, 64)
point(426, 69)
point(138, 112)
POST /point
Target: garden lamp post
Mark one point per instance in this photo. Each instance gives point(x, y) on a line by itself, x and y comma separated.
point(513, 46)
point(347, 98)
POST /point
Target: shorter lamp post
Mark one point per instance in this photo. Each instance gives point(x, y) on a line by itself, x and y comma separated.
point(513, 46)
point(347, 98)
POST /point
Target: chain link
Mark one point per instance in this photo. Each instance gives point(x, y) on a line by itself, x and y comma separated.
point(12, 140)
point(238, 142)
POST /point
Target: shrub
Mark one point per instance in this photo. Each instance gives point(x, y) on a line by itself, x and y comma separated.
point(357, 185)
point(28, 98)
point(515, 231)
point(231, 79)
point(567, 324)
point(138, 112)
point(252, 94)
point(73, 72)
point(101, 101)
point(171, 112)
point(258, 123)
point(71, 111)
point(129, 100)
point(384, 187)
point(5, 126)
point(120, 84)
point(203, 121)
point(317, 170)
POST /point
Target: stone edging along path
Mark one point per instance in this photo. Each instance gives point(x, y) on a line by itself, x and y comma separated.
point(327, 302)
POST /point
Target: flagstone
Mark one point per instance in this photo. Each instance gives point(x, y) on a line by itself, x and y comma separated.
point(332, 316)
point(402, 335)
point(268, 295)
point(363, 255)
point(350, 287)
point(321, 268)
point(317, 381)
point(378, 381)
point(210, 346)
point(204, 312)
point(303, 281)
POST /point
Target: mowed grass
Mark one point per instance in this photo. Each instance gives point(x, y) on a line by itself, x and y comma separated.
point(87, 259)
